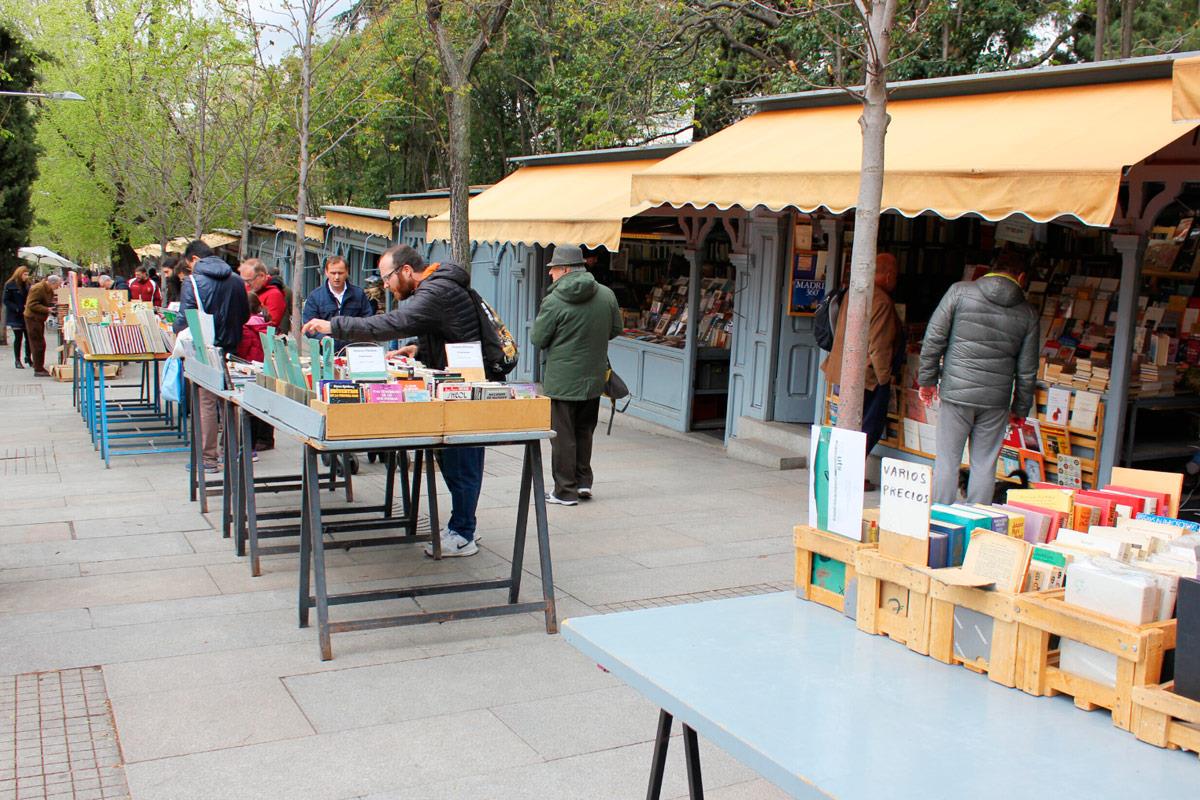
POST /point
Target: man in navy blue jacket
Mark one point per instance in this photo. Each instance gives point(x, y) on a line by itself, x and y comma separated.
point(336, 297)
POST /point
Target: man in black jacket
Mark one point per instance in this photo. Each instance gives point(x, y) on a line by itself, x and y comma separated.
point(435, 306)
point(223, 295)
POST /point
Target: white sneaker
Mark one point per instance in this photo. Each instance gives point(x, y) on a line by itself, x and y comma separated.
point(453, 546)
point(585, 493)
point(555, 500)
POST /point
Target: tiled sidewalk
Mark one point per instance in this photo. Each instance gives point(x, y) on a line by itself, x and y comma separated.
point(217, 695)
point(57, 740)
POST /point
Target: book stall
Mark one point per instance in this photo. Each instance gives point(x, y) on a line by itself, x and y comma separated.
point(652, 276)
point(1073, 283)
point(1089, 593)
point(103, 330)
point(364, 399)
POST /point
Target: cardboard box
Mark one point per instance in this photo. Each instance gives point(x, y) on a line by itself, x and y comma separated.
point(381, 420)
point(65, 372)
point(489, 416)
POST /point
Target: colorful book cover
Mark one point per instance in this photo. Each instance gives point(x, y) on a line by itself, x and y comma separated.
point(1084, 516)
point(969, 521)
point(383, 393)
point(997, 521)
point(1056, 499)
point(1056, 517)
point(1187, 525)
point(1106, 504)
point(1037, 524)
point(1157, 502)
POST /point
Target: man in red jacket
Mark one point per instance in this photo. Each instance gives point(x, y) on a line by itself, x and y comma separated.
point(254, 273)
point(142, 288)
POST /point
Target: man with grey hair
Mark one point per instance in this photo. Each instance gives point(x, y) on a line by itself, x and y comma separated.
point(573, 327)
point(39, 305)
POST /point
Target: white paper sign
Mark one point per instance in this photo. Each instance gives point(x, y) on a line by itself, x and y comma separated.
point(904, 498)
point(366, 362)
point(1018, 229)
point(464, 355)
point(837, 464)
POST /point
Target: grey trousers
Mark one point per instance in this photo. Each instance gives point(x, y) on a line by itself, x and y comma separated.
point(986, 428)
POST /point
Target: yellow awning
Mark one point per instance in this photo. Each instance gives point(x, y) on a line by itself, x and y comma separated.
point(216, 240)
point(1045, 153)
point(1185, 89)
point(419, 207)
point(312, 230)
point(362, 223)
point(581, 204)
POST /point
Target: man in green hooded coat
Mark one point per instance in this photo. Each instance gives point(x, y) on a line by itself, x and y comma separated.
point(577, 319)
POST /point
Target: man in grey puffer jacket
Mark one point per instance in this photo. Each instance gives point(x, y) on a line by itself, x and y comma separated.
point(980, 355)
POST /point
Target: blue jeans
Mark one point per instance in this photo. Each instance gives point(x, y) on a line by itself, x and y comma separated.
point(462, 470)
point(875, 409)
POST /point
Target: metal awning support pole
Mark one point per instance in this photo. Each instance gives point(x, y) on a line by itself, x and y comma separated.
point(1130, 246)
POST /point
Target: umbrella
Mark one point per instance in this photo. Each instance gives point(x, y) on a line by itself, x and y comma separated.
point(43, 255)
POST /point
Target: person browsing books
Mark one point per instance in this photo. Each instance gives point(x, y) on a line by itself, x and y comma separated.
point(336, 297)
point(434, 305)
point(222, 295)
point(573, 327)
point(40, 303)
point(980, 357)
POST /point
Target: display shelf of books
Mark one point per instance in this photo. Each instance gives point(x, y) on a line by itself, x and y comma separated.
point(364, 394)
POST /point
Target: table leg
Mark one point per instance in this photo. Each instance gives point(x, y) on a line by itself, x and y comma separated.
point(103, 420)
point(249, 504)
point(534, 449)
point(405, 497)
point(198, 464)
point(318, 558)
point(389, 486)
point(226, 473)
point(239, 480)
point(415, 492)
point(346, 476)
point(435, 528)
point(185, 401)
point(658, 761)
point(518, 558)
point(691, 755)
point(306, 477)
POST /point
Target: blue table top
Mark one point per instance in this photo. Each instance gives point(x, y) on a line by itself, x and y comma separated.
point(794, 691)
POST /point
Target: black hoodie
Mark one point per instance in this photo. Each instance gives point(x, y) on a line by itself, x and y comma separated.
point(222, 294)
point(439, 311)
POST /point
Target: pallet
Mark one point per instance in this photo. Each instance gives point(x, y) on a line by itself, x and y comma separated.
point(825, 558)
point(998, 637)
point(892, 600)
point(1139, 650)
point(1165, 719)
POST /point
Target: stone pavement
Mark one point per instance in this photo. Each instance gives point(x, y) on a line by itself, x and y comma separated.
point(115, 592)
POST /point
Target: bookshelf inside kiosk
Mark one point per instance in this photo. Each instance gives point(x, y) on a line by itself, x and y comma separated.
point(677, 316)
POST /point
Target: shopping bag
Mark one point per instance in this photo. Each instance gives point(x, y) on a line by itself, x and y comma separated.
point(172, 379)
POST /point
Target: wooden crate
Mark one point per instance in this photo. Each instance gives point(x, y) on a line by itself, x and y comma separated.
point(818, 551)
point(1000, 663)
point(892, 600)
point(1166, 719)
point(1139, 650)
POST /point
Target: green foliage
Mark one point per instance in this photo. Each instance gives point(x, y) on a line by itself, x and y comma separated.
point(18, 147)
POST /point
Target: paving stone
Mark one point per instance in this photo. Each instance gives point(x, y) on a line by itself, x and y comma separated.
point(193, 720)
point(393, 692)
point(338, 765)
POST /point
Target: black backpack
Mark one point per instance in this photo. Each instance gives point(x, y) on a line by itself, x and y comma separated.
point(497, 342)
point(825, 319)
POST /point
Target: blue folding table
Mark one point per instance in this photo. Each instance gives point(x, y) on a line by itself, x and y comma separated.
point(795, 692)
point(139, 426)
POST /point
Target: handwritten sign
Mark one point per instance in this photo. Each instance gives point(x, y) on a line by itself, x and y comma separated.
point(904, 498)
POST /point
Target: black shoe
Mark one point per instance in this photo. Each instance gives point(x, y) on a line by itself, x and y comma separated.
point(19, 365)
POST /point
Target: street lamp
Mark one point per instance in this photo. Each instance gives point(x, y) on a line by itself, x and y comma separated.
point(47, 95)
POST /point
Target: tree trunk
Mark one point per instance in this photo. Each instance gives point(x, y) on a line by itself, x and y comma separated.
point(298, 256)
point(879, 19)
point(1127, 8)
point(459, 107)
point(1101, 28)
